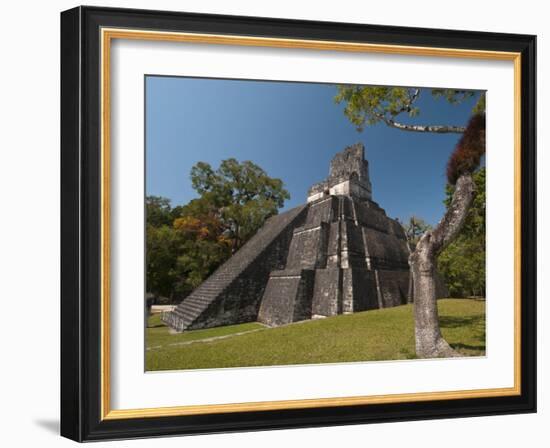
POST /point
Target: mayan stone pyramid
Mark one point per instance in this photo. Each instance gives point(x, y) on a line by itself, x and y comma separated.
point(337, 254)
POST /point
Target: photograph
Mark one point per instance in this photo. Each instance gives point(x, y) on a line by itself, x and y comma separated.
point(295, 223)
point(273, 223)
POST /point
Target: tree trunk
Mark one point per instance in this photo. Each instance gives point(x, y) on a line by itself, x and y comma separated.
point(429, 342)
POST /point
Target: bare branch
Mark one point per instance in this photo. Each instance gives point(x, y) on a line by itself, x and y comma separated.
point(413, 97)
point(436, 129)
point(450, 225)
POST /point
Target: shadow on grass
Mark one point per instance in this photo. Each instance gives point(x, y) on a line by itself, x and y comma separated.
point(476, 326)
point(460, 321)
point(459, 346)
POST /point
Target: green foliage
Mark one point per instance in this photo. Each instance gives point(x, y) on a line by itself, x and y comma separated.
point(242, 192)
point(414, 229)
point(237, 182)
point(462, 263)
point(453, 96)
point(185, 244)
point(202, 249)
point(158, 211)
point(368, 105)
point(479, 108)
point(161, 261)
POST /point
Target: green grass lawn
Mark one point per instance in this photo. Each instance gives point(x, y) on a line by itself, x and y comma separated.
point(368, 336)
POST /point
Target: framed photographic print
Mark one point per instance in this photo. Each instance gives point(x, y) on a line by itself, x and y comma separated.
point(272, 223)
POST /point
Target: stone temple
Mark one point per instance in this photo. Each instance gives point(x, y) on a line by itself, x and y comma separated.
point(338, 253)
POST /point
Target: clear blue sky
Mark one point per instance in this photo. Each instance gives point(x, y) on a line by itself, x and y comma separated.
point(292, 130)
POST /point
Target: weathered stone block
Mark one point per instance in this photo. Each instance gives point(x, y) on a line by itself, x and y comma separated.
point(359, 290)
point(308, 249)
point(371, 216)
point(352, 247)
point(327, 292)
point(394, 287)
point(325, 210)
point(385, 251)
point(287, 297)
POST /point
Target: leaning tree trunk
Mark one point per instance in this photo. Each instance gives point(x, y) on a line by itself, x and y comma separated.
point(429, 342)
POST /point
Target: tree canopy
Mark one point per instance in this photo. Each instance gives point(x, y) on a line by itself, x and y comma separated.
point(369, 105)
point(185, 244)
point(243, 194)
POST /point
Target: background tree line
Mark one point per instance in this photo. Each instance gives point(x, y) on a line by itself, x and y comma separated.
point(185, 244)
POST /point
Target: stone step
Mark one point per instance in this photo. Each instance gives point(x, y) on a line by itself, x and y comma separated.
point(205, 291)
point(204, 294)
point(186, 321)
point(197, 301)
point(191, 307)
point(201, 296)
point(186, 318)
point(210, 286)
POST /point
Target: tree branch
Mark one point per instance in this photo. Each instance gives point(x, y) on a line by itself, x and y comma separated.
point(451, 223)
point(437, 129)
point(413, 97)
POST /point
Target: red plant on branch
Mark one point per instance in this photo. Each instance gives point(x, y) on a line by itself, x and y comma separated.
point(469, 149)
